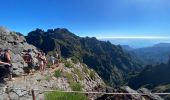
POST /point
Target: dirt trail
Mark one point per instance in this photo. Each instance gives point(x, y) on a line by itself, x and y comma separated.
point(29, 80)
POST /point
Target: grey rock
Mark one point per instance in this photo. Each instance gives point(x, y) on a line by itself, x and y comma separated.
point(136, 96)
point(21, 93)
point(4, 97)
point(4, 30)
point(17, 44)
point(13, 96)
point(149, 95)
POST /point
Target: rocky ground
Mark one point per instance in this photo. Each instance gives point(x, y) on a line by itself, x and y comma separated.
point(20, 89)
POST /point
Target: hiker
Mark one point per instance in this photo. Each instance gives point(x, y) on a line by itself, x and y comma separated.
point(29, 60)
point(52, 60)
point(7, 59)
point(44, 61)
point(3, 67)
point(40, 61)
point(57, 59)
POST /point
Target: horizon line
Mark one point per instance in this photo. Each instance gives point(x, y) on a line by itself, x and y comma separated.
point(135, 37)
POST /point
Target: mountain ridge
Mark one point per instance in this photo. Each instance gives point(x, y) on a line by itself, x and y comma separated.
point(102, 56)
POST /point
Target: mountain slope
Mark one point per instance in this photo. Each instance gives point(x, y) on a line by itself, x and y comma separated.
point(153, 55)
point(109, 60)
point(152, 76)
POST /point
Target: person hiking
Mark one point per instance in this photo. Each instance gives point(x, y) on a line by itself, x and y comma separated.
point(57, 59)
point(29, 60)
point(44, 61)
point(3, 68)
point(40, 61)
point(7, 59)
point(52, 59)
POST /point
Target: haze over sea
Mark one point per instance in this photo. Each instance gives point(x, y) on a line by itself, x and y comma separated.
point(137, 42)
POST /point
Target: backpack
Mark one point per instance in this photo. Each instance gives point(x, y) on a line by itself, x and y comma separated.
point(27, 58)
point(1, 57)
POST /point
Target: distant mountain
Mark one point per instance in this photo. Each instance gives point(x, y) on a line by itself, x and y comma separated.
point(162, 45)
point(152, 55)
point(151, 76)
point(109, 60)
point(127, 47)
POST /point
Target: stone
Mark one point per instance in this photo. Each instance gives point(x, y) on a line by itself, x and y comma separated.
point(17, 44)
point(149, 95)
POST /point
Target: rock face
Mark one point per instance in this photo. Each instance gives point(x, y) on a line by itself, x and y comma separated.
point(17, 44)
point(141, 94)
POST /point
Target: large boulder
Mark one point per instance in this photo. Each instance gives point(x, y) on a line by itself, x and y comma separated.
point(17, 44)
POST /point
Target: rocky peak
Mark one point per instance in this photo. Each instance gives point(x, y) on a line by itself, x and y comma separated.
point(4, 30)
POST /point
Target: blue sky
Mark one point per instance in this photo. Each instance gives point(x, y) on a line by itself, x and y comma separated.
point(99, 18)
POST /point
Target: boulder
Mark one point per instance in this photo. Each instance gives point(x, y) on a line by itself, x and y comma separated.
point(17, 44)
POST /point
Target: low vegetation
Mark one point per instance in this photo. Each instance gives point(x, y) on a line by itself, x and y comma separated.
point(75, 60)
point(85, 69)
point(65, 96)
point(69, 77)
point(92, 74)
point(76, 86)
point(79, 73)
point(57, 73)
point(49, 65)
point(68, 64)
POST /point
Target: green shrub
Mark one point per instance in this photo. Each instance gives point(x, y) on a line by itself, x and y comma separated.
point(68, 64)
point(62, 60)
point(47, 78)
point(80, 75)
point(85, 69)
point(76, 86)
point(69, 77)
point(49, 65)
point(65, 96)
point(75, 60)
point(57, 73)
point(92, 74)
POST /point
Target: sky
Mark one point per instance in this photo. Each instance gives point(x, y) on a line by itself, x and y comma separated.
point(98, 18)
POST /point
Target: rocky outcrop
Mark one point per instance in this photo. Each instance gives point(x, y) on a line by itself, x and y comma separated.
point(17, 44)
point(129, 94)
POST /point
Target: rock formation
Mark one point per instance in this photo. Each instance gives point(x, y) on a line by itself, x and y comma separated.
point(17, 44)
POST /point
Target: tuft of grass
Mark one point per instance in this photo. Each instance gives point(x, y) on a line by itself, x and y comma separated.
point(68, 64)
point(85, 69)
point(69, 77)
point(92, 74)
point(75, 60)
point(47, 78)
point(62, 60)
point(80, 75)
point(57, 73)
point(49, 65)
point(76, 86)
point(65, 96)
